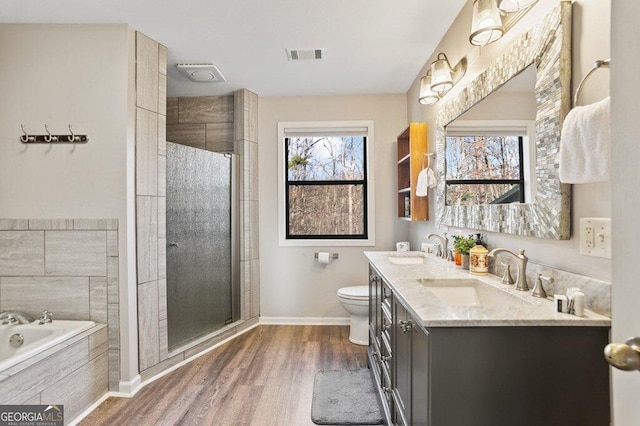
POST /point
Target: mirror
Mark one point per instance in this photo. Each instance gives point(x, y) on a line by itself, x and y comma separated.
point(545, 212)
point(490, 149)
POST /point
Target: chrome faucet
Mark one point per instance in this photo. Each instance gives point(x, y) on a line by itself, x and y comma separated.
point(521, 260)
point(443, 243)
point(9, 319)
point(15, 317)
point(46, 318)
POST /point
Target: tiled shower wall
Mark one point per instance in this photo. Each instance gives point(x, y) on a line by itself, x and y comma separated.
point(151, 83)
point(66, 266)
point(245, 136)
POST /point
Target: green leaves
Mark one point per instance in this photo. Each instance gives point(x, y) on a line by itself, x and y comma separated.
point(463, 244)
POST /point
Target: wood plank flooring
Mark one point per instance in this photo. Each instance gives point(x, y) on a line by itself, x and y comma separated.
point(264, 377)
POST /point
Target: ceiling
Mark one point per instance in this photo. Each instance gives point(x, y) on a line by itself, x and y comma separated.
point(370, 46)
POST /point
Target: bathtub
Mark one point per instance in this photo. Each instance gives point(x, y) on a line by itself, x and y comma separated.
point(37, 338)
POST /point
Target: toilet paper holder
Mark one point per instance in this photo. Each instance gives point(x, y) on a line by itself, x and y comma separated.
point(333, 256)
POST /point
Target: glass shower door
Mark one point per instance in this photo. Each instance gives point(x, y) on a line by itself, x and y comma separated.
point(200, 248)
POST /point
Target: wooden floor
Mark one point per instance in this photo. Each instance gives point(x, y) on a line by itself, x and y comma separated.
point(264, 377)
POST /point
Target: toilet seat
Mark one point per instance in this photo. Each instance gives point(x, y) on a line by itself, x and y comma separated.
point(359, 292)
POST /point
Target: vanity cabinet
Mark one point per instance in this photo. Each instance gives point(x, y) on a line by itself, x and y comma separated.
point(411, 369)
point(500, 375)
point(412, 150)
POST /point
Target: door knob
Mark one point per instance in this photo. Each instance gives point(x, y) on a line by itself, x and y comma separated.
point(624, 356)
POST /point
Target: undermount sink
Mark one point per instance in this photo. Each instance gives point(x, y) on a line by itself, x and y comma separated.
point(468, 292)
point(406, 260)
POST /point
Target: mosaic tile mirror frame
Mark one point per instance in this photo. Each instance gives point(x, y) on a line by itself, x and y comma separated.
point(548, 46)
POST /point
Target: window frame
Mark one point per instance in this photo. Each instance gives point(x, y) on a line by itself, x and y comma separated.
point(310, 128)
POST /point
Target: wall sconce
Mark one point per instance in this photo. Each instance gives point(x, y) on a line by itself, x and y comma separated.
point(492, 18)
point(440, 78)
point(486, 25)
point(427, 96)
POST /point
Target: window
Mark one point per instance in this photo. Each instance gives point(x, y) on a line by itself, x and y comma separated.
point(486, 165)
point(325, 188)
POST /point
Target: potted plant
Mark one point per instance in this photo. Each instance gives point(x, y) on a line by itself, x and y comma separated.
point(462, 245)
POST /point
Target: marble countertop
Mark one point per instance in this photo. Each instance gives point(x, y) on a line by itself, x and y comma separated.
point(423, 304)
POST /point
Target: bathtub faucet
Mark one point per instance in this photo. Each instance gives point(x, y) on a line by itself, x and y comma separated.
point(16, 317)
point(46, 318)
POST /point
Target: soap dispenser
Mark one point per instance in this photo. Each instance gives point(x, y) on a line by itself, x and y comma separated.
point(478, 263)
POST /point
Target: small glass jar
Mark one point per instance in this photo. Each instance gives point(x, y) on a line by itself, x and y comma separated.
point(457, 257)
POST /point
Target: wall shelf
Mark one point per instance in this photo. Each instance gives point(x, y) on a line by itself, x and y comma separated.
point(412, 148)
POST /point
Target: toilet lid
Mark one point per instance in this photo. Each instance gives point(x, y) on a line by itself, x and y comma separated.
point(355, 292)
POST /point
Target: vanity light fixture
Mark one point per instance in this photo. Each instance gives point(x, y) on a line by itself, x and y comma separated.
point(440, 78)
point(486, 25)
point(427, 96)
point(510, 6)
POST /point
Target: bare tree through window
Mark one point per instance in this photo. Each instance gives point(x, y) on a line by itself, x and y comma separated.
point(484, 170)
point(326, 187)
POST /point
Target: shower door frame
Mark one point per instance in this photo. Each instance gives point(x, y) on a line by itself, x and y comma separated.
point(236, 284)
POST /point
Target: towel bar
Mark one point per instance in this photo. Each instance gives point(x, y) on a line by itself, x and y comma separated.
point(601, 63)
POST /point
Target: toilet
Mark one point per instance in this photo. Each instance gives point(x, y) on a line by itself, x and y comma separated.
point(356, 301)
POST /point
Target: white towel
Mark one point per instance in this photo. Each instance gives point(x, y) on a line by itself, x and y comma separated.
point(584, 144)
point(432, 182)
point(422, 186)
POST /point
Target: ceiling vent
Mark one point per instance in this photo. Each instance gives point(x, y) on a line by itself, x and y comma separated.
point(300, 54)
point(201, 73)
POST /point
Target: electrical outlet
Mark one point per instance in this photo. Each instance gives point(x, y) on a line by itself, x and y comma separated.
point(595, 237)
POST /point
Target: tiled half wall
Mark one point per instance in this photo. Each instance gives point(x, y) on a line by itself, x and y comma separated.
point(66, 266)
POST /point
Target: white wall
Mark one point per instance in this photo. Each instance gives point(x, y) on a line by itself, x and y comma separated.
point(292, 284)
point(591, 24)
point(625, 179)
point(78, 75)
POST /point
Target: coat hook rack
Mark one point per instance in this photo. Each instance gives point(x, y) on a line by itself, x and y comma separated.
point(52, 138)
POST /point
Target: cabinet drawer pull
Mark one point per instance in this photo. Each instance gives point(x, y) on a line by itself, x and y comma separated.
point(406, 326)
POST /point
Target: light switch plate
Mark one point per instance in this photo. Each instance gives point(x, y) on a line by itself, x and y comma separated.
point(595, 237)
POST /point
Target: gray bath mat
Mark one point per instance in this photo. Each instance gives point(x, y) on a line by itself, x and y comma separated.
point(345, 397)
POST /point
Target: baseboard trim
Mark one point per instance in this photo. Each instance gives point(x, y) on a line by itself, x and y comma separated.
point(129, 388)
point(92, 407)
point(304, 321)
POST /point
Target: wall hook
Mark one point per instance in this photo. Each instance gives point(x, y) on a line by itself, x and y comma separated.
point(72, 137)
point(26, 138)
point(49, 137)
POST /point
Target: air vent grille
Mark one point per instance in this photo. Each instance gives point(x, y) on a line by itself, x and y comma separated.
point(201, 73)
point(304, 54)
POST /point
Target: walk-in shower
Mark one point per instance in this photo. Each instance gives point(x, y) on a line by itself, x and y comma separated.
point(202, 263)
